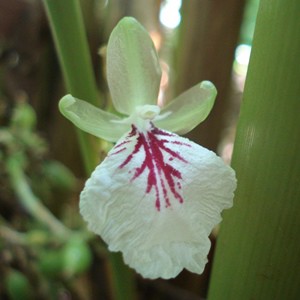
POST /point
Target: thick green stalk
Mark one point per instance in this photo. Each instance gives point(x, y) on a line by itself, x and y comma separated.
point(70, 40)
point(258, 250)
point(72, 48)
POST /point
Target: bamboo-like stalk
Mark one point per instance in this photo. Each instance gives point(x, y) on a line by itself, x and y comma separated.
point(72, 48)
point(258, 250)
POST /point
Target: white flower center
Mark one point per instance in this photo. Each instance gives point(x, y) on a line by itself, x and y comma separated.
point(148, 112)
point(143, 115)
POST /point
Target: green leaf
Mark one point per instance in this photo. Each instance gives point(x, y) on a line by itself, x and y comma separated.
point(69, 36)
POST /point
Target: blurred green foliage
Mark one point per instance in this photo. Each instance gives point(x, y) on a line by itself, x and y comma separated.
point(43, 249)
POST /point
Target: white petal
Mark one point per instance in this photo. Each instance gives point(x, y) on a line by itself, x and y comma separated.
point(189, 109)
point(92, 119)
point(133, 70)
point(156, 198)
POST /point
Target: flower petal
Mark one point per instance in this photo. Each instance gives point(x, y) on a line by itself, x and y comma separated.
point(133, 70)
point(189, 109)
point(92, 119)
point(156, 197)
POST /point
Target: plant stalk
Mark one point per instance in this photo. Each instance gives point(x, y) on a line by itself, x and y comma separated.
point(72, 48)
point(257, 255)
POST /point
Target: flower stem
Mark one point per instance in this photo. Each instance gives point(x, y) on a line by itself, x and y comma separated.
point(122, 277)
point(29, 201)
point(70, 40)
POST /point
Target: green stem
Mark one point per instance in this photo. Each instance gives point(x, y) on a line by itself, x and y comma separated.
point(70, 39)
point(122, 277)
point(11, 235)
point(258, 249)
point(29, 201)
point(71, 43)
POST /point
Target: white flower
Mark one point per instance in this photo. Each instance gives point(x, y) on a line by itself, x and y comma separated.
point(156, 196)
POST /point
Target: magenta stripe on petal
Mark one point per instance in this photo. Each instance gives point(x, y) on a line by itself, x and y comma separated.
point(164, 178)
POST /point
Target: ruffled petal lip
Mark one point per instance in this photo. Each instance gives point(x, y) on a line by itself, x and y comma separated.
point(132, 202)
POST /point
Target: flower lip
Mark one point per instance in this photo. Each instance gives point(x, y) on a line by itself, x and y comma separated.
point(161, 195)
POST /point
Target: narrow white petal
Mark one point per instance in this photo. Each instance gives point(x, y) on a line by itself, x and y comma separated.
point(189, 109)
point(133, 70)
point(156, 198)
point(92, 119)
